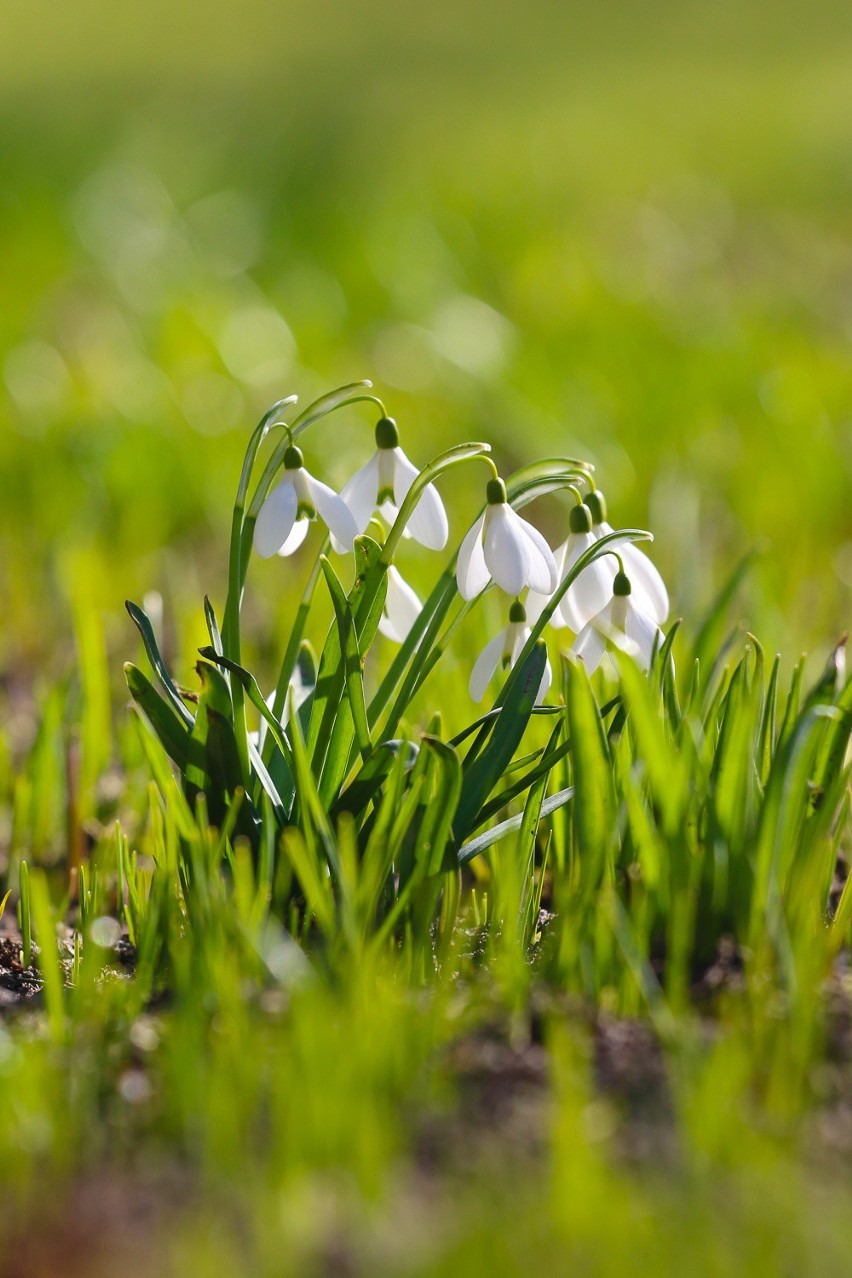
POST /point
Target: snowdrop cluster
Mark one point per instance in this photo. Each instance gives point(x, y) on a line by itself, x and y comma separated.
point(618, 599)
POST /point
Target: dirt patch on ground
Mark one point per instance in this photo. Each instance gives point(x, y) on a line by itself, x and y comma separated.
point(106, 1223)
point(18, 984)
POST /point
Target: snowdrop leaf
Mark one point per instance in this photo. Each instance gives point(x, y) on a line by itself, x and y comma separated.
point(255, 696)
point(486, 840)
point(171, 730)
point(146, 630)
point(508, 729)
point(212, 627)
point(354, 674)
point(368, 781)
point(594, 811)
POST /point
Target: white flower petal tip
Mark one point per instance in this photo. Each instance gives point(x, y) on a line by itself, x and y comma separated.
point(401, 610)
point(485, 666)
point(428, 523)
point(503, 547)
point(383, 484)
point(361, 492)
point(276, 518)
point(472, 575)
point(295, 537)
point(336, 515)
point(503, 651)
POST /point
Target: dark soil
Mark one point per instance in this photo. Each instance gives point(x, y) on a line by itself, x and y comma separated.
point(18, 984)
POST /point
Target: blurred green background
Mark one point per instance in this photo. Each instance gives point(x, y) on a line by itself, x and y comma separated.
point(604, 228)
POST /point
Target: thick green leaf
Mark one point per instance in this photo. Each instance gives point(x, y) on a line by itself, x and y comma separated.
point(369, 780)
point(170, 728)
point(473, 847)
point(352, 660)
point(366, 601)
point(595, 809)
point(146, 630)
point(431, 851)
point(508, 729)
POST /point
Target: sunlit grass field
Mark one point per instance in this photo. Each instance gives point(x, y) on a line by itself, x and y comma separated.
point(605, 232)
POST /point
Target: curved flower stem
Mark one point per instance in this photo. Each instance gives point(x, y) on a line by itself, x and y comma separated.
point(236, 577)
point(452, 457)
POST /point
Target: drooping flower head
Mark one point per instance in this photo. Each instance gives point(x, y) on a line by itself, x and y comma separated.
point(590, 591)
point(622, 622)
point(382, 484)
point(646, 580)
point(283, 519)
point(502, 546)
point(401, 610)
point(502, 652)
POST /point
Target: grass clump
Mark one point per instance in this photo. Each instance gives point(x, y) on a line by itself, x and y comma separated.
point(563, 985)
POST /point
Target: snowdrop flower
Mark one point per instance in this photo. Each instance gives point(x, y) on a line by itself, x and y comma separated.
point(622, 622)
point(503, 546)
point(383, 483)
point(588, 593)
point(282, 522)
point(503, 651)
point(401, 610)
point(648, 586)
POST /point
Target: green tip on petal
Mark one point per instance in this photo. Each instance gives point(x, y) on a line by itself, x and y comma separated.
point(387, 435)
point(580, 519)
point(294, 458)
point(495, 492)
point(596, 503)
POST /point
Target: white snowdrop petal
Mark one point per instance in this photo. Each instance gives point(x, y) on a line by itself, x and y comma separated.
point(542, 574)
point(335, 514)
point(485, 665)
point(402, 606)
point(389, 630)
point(295, 537)
point(535, 604)
point(506, 551)
point(646, 581)
point(546, 680)
point(428, 521)
point(361, 492)
point(404, 475)
point(471, 571)
point(588, 594)
point(643, 631)
point(275, 519)
point(389, 512)
point(590, 646)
